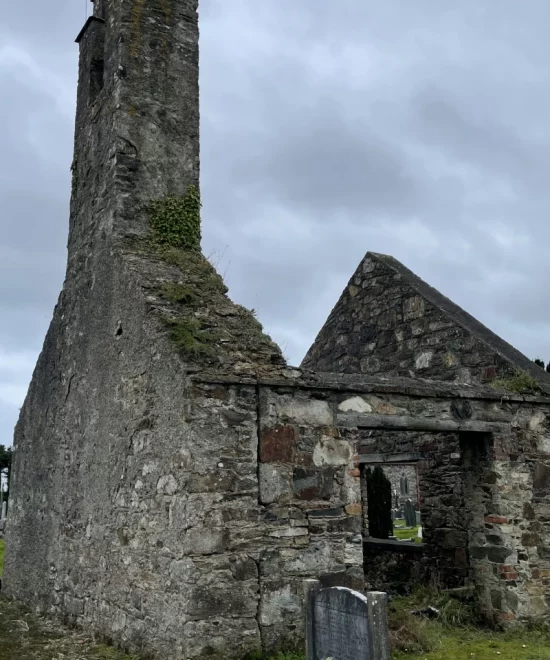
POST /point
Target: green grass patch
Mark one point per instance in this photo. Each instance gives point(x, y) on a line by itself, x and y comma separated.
point(402, 532)
point(457, 633)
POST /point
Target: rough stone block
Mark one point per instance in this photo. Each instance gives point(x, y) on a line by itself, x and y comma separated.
point(305, 411)
point(313, 484)
point(277, 445)
point(238, 600)
point(280, 601)
point(355, 404)
point(275, 483)
point(332, 451)
point(204, 541)
point(222, 637)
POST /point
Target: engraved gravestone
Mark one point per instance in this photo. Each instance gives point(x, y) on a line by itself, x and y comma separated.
point(343, 624)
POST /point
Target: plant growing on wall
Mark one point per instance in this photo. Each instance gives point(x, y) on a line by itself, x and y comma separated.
point(379, 499)
point(176, 221)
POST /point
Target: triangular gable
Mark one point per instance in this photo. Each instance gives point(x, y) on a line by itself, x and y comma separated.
point(388, 321)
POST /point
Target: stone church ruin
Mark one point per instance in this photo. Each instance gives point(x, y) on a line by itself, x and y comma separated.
point(174, 481)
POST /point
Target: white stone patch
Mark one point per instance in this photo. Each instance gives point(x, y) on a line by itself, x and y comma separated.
point(316, 413)
point(331, 451)
point(537, 420)
point(353, 554)
point(289, 531)
point(167, 485)
point(149, 468)
point(543, 444)
point(276, 606)
point(424, 360)
point(355, 404)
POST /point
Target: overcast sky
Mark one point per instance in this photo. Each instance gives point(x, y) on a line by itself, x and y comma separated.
point(417, 129)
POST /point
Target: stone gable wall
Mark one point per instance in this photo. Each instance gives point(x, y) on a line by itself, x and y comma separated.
point(381, 325)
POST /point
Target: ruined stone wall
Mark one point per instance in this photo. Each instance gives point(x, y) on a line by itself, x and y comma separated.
point(184, 518)
point(395, 473)
point(445, 510)
point(383, 325)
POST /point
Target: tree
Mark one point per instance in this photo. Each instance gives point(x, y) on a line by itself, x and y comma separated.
point(379, 503)
point(540, 363)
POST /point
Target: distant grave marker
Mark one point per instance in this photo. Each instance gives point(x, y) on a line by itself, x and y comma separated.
point(343, 624)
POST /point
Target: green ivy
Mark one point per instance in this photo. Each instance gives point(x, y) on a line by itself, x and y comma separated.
point(176, 222)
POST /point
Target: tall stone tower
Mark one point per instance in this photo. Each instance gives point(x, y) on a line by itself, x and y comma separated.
point(114, 466)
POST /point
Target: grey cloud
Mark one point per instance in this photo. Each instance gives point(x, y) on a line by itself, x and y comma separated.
point(328, 129)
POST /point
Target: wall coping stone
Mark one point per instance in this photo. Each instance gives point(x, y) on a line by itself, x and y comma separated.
point(414, 387)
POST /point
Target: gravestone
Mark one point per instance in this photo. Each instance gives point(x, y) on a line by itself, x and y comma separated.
point(410, 514)
point(343, 624)
point(418, 517)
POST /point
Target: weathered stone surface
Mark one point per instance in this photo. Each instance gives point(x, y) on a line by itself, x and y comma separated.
point(277, 444)
point(388, 321)
point(174, 500)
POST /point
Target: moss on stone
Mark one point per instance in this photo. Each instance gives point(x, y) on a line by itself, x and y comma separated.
point(196, 265)
point(180, 294)
point(176, 221)
point(189, 336)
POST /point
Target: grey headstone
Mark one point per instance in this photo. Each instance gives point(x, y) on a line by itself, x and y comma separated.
point(418, 517)
point(342, 625)
point(410, 514)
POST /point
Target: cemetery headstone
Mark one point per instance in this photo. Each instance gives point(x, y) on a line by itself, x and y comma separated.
point(418, 517)
point(410, 514)
point(343, 624)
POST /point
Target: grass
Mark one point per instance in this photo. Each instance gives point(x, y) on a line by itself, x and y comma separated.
point(520, 383)
point(456, 634)
point(402, 532)
point(24, 636)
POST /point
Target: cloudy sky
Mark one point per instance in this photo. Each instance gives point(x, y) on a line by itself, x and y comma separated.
point(418, 129)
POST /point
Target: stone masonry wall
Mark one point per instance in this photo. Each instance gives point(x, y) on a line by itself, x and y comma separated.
point(184, 518)
point(383, 325)
point(475, 490)
point(395, 473)
point(444, 508)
